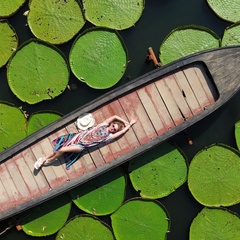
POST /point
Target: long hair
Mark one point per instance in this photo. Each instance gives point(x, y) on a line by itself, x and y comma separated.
point(120, 124)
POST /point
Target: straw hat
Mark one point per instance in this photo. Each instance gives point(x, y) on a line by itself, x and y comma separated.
point(85, 121)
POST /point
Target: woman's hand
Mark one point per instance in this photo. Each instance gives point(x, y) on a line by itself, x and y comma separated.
point(133, 121)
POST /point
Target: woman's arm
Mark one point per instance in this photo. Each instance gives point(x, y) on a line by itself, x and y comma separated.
point(115, 117)
point(125, 129)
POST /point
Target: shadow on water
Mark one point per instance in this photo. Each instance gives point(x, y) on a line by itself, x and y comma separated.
point(159, 18)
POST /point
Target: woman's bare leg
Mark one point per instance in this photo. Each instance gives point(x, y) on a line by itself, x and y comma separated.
point(53, 156)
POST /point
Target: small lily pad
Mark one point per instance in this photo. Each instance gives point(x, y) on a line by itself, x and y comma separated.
point(237, 134)
point(55, 22)
point(98, 57)
point(231, 35)
point(187, 40)
point(37, 71)
point(214, 178)
point(85, 227)
point(12, 125)
point(158, 172)
point(215, 224)
point(101, 195)
point(119, 15)
point(226, 10)
point(47, 218)
point(41, 119)
point(9, 7)
point(8, 41)
point(140, 219)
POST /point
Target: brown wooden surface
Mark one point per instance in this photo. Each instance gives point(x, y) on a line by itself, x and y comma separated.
point(160, 106)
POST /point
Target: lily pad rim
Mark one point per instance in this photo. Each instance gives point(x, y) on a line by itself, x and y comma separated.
point(11, 14)
point(193, 27)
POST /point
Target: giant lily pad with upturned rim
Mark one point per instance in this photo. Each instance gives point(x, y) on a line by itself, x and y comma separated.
point(8, 41)
point(85, 227)
point(117, 15)
point(231, 35)
point(39, 120)
point(37, 71)
point(237, 134)
point(47, 218)
point(187, 40)
point(12, 125)
point(98, 57)
point(228, 10)
point(213, 177)
point(215, 223)
point(55, 21)
point(101, 195)
point(158, 172)
point(9, 7)
point(140, 219)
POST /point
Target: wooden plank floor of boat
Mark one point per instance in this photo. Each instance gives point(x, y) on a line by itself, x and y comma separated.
point(160, 106)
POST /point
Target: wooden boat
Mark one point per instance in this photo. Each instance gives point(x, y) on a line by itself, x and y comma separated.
point(166, 100)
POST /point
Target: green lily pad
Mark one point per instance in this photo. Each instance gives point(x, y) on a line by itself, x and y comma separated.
point(119, 15)
point(158, 172)
point(215, 224)
point(187, 40)
point(8, 41)
point(85, 227)
point(98, 57)
point(41, 119)
point(55, 21)
point(9, 7)
point(140, 219)
point(231, 35)
point(214, 178)
point(47, 218)
point(12, 125)
point(237, 134)
point(226, 10)
point(37, 71)
point(101, 195)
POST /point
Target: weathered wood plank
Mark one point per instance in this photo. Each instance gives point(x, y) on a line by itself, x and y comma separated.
point(5, 200)
point(39, 177)
point(169, 101)
point(28, 175)
point(196, 87)
point(133, 107)
point(155, 108)
point(188, 93)
point(54, 173)
point(206, 83)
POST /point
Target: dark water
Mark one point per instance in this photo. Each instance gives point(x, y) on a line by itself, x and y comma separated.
point(158, 19)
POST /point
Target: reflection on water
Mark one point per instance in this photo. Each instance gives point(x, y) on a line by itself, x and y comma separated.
point(158, 19)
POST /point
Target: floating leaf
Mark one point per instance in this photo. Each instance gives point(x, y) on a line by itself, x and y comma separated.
point(37, 71)
point(41, 119)
point(214, 177)
point(237, 134)
point(98, 57)
point(55, 21)
point(140, 219)
point(227, 10)
point(119, 15)
point(85, 227)
point(8, 41)
point(187, 40)
point(12, 125)
point(215, 224)
point(47, 218)
point(101, 195)
point(158, 172)
point(231, 35)
point(9, 7)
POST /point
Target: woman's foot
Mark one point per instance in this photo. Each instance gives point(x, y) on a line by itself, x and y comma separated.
point(38, 164)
